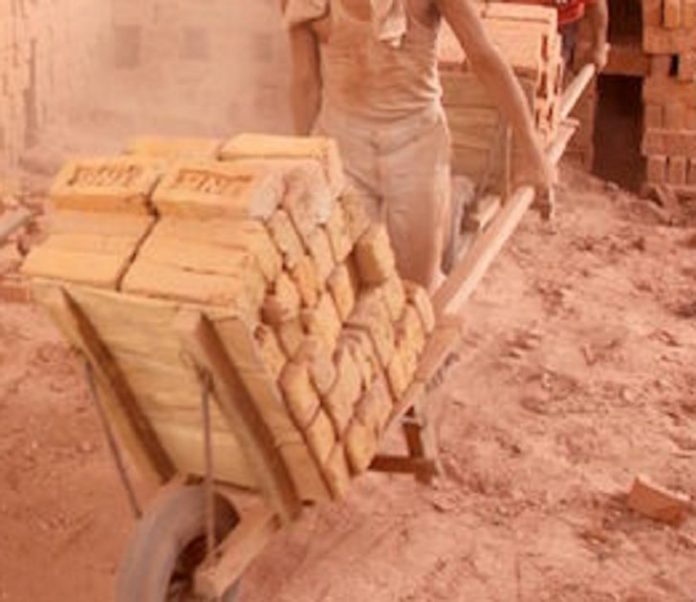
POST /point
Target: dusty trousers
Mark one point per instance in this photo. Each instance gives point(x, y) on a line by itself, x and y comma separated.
point(403, 169)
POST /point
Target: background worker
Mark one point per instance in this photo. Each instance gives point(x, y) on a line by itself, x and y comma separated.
point(365, 73)
point(570, 14)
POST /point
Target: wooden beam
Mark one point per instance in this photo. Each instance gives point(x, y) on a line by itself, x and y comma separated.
point(200, 339)
point(120, 401)
point(244, 544)
point(575, 90)
point(12, 221)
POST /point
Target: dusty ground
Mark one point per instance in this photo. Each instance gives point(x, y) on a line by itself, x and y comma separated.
point(578, 372)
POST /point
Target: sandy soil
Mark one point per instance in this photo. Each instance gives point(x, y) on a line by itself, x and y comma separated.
point(577, 373)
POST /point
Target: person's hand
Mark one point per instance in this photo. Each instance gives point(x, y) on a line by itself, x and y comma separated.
point(535, 170)
point(599, 56)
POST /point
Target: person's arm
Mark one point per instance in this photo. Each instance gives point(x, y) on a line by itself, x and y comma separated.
point(598, 14)
point(306, 78)
point(497, 76)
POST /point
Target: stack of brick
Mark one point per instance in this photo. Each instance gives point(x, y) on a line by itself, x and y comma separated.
point(527, 37)
point(48, 57)
point(261, 233)
point(669, 93)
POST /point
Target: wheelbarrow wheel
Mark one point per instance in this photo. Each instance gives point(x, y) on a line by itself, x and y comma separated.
point(168, 545)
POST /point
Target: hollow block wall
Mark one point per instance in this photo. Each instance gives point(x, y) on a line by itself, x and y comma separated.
point(49, 58)
point(205, 67)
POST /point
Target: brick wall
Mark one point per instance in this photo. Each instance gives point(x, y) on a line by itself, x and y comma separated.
point(49, 54)
point(187, 66)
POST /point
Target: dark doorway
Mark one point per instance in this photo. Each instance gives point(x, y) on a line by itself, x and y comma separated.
point(618, 131)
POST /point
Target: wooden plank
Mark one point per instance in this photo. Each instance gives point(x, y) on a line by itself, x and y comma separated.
point(245, 543)
point(119, 400)
point(201, 340)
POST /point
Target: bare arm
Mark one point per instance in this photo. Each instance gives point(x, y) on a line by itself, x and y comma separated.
point(598, 13)
point(306, 78)
point(497, 76)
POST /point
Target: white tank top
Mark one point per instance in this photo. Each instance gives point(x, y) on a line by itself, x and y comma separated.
point(369, 79)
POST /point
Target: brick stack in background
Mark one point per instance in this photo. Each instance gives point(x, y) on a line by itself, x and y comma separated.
point(199, 66)
point(669, 94)
point(49, 53)
point(302, 288)
point(528, 39)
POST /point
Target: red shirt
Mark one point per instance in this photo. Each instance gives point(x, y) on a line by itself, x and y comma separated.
point(569, 11)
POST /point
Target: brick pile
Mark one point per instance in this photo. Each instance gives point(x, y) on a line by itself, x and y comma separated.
point(527, 37)
point(669, 93)
point(325, 334)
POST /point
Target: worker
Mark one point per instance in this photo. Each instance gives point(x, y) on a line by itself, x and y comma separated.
point(365, 73)
point(570, 14)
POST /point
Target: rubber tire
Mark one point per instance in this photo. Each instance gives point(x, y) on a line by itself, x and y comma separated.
point(168, 528)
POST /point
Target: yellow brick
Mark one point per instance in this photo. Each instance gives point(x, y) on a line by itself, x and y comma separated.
point(341, 400)
point(355, 213)
point(323, 321)
point(306, 279)
point(320, 251)
point(272, 354)
point(321, 437)
point(374, 255)
point(363, 351)
point(318, 357)
point(299, 393)
point(290, 335)
point(397, 374)
point(282, 303)
point(339, 234)
point(285, 238)
point(372, 316)
point(361, 446)
point(395, 296)
point(343, 286)
point(418, 296)
point(376, 407)
point(337, 472)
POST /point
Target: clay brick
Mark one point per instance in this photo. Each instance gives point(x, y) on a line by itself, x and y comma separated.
point(290, 335)
point(341, 400)
point(363, 351)
point(319, 361)
point(339, 233)
point(323, 321)
point(337, 472)
point(675, 115)
point(691, 178)
point(409, 330)
point(376, 407)
point(660, 65)
point(355, 213)
point(398, 374)
point(304, 275)
point(654, 116)
point(282, 302)
point(394, 295)
point(657, 169)
point(319, 249)
point(372, 316)
point(343, 287)
point(686, 71)
point(374, 255)
point(420, 299)
point(676, 170)
point(286, 238)
point(656, 502)
point(321, 437)
point(272, 354)
point(671, 14)
point(361, 446)
point(307, 207)
point(300, 395)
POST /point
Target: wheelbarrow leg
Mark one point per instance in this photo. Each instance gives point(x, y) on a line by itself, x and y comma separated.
point(421, 443)
point(422, 459)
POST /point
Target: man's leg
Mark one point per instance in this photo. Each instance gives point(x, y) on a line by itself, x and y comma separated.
point(415, 183)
